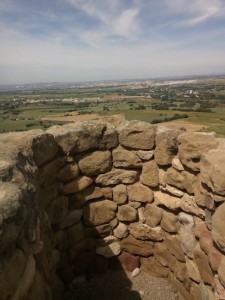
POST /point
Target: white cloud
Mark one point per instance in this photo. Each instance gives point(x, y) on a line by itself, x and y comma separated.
point(114, 19)
point(195, 12)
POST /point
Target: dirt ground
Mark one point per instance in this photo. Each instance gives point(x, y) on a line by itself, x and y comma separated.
point(181, 124)
point(118, 285)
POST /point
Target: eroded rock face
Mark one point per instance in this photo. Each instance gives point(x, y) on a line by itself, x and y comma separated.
point(218, 228)
point(117, 176)
point(44, 144)
point(100, 212)
point(77, 185)
point(137, 135)
point(136, 247)
point(182, 180)
point(126, 213)
point(78, 137)
point(144, 232)
point(193, 145)
point(150, 174)
point(123, 158)
point(139, 193)
point(166, 145)
point(153, 215)
point(213, 171)
point(95, 163)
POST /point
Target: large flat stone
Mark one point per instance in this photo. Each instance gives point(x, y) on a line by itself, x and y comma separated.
point(95, 163)
point(136, 247)
point(117, 176)
point(100, 212)
point(137, 135)
point(140, 193)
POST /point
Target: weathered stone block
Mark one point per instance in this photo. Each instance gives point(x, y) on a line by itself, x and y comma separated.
point(140, 193)
point(144, 232)
point(126, 213)
point(193, 145)
point(166, 145)
point(137, 135)
point(77, 185)
point(95, 163)
point(100, 212)
point(123, 158)
point(169, 222)
point(68, 172)
point(150, 174)
point(136, 247)
point(120, 194)
point(117, 176)
point(153, 215)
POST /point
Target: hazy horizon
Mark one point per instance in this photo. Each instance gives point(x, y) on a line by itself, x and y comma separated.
point(84, 40)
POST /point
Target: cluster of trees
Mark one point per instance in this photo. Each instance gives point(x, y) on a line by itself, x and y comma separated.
point(167, 119)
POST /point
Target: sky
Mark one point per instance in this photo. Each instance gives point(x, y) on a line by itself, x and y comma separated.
point(84, 40)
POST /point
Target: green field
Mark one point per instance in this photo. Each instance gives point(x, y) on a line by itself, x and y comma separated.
point(204, 104)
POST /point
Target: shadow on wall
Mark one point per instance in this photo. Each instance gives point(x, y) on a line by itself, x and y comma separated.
point(95, 271)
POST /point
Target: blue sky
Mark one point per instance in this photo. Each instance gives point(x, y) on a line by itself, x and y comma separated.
point(73, 40)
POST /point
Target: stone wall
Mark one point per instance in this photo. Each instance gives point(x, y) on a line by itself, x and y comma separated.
point(79, 198)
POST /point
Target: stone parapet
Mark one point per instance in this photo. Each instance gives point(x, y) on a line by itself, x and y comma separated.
point(90, 190)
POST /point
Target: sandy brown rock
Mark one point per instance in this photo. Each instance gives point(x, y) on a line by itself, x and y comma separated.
point(221, 272)
point(213, 171)
point(177, 165)
point(136, 247)
point(153, 215)
point(95, 163)
point(121, 231)
point(187, 234)
point(160, 251)
point(193, 145)
point(123, 158)
point(44, 149)
point(120, 194)
point(144, 232)
point(78, 137)
point(10, 198)
point(117, 176)
point(77, 185)
point(201, 259)
point(172, 190)
point(145, 155)
point(189, 205)
point(137, 135)
point(150, 174)
point(192, 270)
point(166, 200)
point(68, 172)
point(126, 213)
point(169, 222)
point(108, 247)
point(100, 212)
point(173, 244)
point(218, 228)
point(166, 145)
point(182, 180)
point(152, 267)
point(140, 193)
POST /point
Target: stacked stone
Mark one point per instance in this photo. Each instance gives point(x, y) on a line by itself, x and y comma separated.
point(133, 194)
